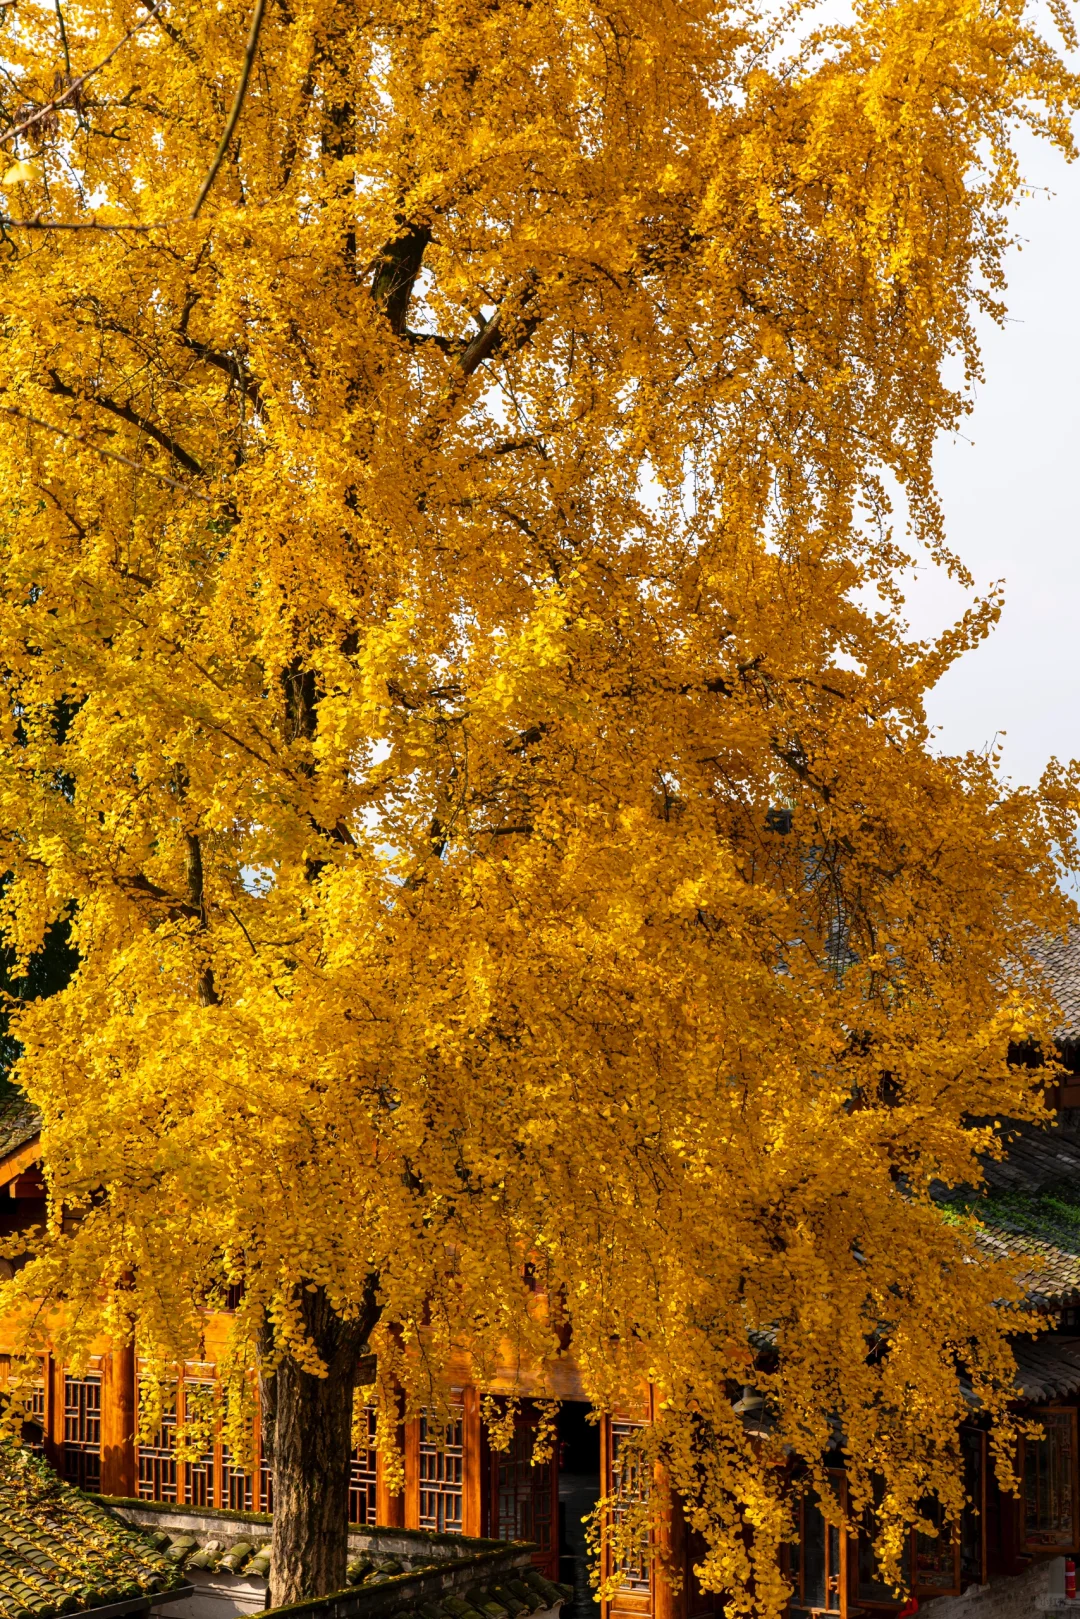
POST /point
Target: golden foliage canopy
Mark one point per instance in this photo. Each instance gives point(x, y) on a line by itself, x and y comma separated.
point(422, 575)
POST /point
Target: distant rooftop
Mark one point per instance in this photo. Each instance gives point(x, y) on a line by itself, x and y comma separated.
point(19, 1119)
point(1061, 960)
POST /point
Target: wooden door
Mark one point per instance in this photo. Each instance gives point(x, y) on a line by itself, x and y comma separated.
point(623, 1482)
point(523, 1496)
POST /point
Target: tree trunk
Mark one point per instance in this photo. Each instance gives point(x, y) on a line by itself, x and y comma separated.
point(312, 1445)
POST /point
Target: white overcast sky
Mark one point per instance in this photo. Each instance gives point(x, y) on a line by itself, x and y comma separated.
point(1012, 507)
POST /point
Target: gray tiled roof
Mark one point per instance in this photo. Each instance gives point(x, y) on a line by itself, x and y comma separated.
point(1029, 1211)
point(61, 1552)
point(1036, 1161)
point(439, 1577)
point(1049, 1275)
point(19, 1120)
point(1061, 961)
point(1047, 1368)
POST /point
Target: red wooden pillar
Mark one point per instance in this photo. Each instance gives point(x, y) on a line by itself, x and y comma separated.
point(118, 1422)
point(472, 1462)
point(389, 1507)
point(411, 1449)
point(53, 1378)
point(671, 1551)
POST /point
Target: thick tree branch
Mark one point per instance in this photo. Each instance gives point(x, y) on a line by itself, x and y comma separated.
point(109, 455)
point(126, 414)
point(508, 331)
point(178, 910)
point(208, 995)
point(510, 318)
point(231, 367)
point(394, 274)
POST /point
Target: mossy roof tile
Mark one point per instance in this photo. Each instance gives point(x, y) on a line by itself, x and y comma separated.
point(61, 1552)
point(20, 1121)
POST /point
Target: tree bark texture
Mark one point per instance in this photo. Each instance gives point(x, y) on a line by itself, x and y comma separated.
point(312, 1445)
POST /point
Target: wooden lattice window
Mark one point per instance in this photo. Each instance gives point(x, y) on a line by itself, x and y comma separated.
point(236, 1485)
point(522, 1494)
point(200, 1476)
point(266, 1484)
point(442, 1462)
point(33, 1428)
point(82, 1430)
point(629, 1489)
point(362, 1472)
point(156, 1461)
point(1048, 1470)
point(523, 1499)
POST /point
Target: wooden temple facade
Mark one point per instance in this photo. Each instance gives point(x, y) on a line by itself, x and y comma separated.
point(85, 1421)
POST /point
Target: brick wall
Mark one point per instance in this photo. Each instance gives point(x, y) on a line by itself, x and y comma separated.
point(1036, 1591)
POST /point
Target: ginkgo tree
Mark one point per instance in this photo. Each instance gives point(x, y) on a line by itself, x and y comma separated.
point(455, 691)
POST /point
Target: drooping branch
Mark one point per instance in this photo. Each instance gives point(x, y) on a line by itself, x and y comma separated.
point(80, 224)
point(109, 455)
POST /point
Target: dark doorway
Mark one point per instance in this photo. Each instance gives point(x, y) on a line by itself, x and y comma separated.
point(579, 1491)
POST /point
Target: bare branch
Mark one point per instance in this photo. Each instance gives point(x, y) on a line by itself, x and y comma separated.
point(238, 102)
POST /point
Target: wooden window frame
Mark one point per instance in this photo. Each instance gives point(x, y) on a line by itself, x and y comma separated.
point(627, 1600)
point(509, 1478)
point(418, 1449)
point(364, 1477)
point(92, 1377)
point(979, 1507)
point(236, 1484)
point(877, 1605)
point(920, 1589)
point(161, 1455)
point(1043, 1548)
point(37, 1406)
point(837, 1549)
point(206, 1468)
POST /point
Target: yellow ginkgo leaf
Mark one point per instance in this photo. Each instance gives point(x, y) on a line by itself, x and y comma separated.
point(20, 171)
